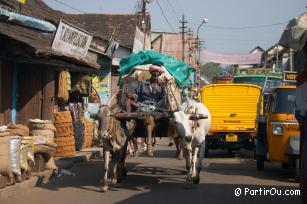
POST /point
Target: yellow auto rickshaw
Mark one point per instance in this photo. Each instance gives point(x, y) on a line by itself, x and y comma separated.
point(278, 137)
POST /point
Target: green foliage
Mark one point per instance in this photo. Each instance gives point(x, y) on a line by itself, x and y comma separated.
point(210, 70)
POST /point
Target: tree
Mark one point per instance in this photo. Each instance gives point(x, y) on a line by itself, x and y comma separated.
point(210, 70)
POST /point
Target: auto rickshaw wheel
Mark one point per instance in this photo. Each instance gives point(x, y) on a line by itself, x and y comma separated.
point(260, 163)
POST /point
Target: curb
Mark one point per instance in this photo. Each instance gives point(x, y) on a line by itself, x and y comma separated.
point(17, 188)
point(44, 177)
point(84, 155)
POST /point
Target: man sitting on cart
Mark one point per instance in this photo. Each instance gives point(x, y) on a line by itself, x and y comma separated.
point(149, 94)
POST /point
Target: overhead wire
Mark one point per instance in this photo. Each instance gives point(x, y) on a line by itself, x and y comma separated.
point(171, 13)
point(179, 5)
point(69, 6)
point(233, 39)
point(246, 27)
point(172, 8)
point(243, 27)
point(159, 5)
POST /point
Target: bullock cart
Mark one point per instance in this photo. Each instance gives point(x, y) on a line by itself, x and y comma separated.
point(118, 127)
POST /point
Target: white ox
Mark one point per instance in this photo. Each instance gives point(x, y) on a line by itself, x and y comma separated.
point(193, 134)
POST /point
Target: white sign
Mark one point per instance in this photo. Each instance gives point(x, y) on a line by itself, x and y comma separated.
point(71, 40)
point(138, 44)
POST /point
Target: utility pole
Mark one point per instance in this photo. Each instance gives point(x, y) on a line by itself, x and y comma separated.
point(144, 22)
point(277, 59)
point(183, 32)
point(291, 59)
point(189, 41)
point(144, 26)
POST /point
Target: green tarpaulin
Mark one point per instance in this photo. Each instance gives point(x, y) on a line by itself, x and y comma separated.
point(178, 69)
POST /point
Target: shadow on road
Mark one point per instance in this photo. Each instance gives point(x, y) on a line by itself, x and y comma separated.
point(161, 154)
point(167, 192)
point(163, 185)
point(159, 184)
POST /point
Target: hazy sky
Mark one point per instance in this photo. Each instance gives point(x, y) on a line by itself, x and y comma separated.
point(235, 26)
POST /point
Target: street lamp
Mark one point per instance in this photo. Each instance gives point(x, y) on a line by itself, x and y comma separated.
point(204, 21)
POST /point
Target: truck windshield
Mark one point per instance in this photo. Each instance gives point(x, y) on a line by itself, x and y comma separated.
point(259, 80)
point(284, 101)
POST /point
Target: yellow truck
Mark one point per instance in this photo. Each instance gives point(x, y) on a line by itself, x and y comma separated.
point(233, 109)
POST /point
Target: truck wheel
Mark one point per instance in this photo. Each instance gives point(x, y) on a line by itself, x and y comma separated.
point(260, 163)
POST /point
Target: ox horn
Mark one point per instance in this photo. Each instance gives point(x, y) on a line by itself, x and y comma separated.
point(111, 100)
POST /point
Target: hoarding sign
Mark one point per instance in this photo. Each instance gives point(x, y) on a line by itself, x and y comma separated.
point(71, 40)
point(290, 76)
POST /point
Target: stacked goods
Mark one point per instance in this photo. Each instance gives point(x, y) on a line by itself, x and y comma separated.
point(11, 164)
point(26, 152)
point(65, 137)
point(15, 145)
point(17, 129)
point(43, 132)
point(88, 133)
point(10, 157)
point(5, 159)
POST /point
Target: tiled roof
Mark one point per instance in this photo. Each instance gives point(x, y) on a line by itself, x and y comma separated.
point(122, 25)
point(39, 41)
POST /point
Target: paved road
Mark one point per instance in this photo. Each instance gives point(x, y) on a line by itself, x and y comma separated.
point(161, 180)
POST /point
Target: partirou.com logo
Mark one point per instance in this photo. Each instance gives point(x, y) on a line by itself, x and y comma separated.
point(266, 192)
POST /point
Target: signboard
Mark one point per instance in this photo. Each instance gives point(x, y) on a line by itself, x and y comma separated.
point(138, 43)
point(256, 71)
point(290, 76)
point(22, 1)
point(71, 40)
point(102, 85)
